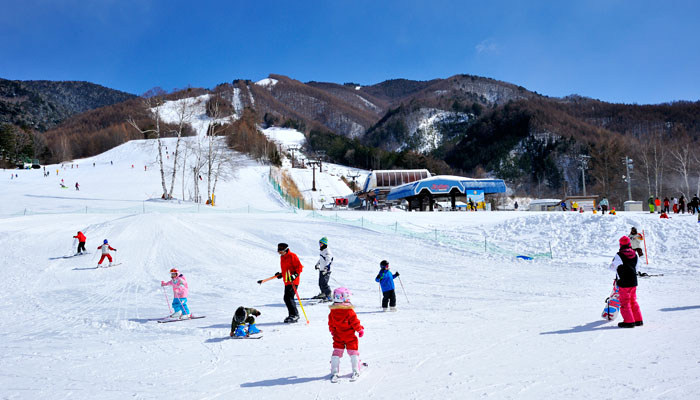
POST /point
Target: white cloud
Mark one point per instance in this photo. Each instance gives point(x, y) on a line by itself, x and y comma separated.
point(487, 46)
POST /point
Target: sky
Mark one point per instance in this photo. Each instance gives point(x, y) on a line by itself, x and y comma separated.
point(639, 52)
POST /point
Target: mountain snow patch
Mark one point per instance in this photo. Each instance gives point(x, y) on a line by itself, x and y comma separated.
point(267, 82)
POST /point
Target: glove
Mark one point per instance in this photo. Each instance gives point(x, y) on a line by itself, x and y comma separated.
point(361, 333)
point(256, 313)
point(318, 266)
point(396, 275)
point(293, 276)
point(162, 283)
point(278, 275)
point(260, 282)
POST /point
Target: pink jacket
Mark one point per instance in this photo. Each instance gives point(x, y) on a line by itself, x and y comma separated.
point(179, 284)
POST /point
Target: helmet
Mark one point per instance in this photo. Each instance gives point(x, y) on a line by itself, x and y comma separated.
point(323, 240)
point(174, 271)
point(384, 264)
point(282, 246)
point(240, 315)
point(341, 295)
point(624, 241)
point(105, 241)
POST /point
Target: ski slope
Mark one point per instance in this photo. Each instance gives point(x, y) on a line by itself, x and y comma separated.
point(470, 324)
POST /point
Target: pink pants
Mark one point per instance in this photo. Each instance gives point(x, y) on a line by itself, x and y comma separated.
point(628, 305)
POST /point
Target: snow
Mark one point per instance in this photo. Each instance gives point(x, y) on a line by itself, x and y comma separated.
point(287, 137)
point(267, 82)
point(194, 111)
point(470, 323)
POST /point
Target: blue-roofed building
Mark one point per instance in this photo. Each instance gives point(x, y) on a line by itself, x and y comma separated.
point(425, 192)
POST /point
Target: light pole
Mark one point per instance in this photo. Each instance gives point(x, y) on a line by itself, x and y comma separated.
point(584, 165)
point(629, 164)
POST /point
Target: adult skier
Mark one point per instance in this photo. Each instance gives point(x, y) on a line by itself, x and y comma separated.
point(625, 265)
point(323, 265)
point(105, 253)
point(81, 242)
point(604, 204)
point(291, 268)
point(180, 292)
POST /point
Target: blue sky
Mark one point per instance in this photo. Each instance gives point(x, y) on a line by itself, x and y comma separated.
point(620, 51)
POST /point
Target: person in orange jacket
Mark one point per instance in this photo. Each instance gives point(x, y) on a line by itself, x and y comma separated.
point(343, 323)
point(81, 242)
point(291, 269)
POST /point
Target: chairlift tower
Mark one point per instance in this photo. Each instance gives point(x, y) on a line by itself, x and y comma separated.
point(584, 165)
point(313, 165)
point(292, 149)
point(629, 164)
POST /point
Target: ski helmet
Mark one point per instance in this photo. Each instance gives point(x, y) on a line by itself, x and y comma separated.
point(341, 295)
point(239, 315)
point(105, 241)
point(624, 241)
point(282, 246)
point(324, 241)
point(384, 264)
point(174, 271)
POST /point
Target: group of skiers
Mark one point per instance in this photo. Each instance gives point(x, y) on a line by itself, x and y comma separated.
point(677, 205)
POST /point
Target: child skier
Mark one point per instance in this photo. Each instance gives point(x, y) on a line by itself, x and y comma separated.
point(242, 316)
point(386, 280)
point(636, 241)
point(81, 242)
point(180, 290)
point(343, 323)
point(105, 253)
point(324, 267)
point(625, 264)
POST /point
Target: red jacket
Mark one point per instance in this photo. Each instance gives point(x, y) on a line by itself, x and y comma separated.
point(290, 264)
point(81, 238)
point(343, 322)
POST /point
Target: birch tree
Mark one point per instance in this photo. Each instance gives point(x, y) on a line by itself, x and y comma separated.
point(184, 115)
point(154, 104)
point(682, 158)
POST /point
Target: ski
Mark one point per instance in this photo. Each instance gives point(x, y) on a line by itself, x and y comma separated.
point(108, 266)
point(336, 378)
point(254, 336)
point(645, 275)
point(168, 319)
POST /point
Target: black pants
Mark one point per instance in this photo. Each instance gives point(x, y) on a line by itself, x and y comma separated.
point(389, 298)
point(81, 245)
point(289, 301)
point(323, 283)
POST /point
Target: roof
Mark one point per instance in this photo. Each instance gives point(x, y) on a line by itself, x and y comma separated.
point(443, 184)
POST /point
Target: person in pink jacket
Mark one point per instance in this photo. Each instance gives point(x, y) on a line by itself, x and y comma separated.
point(180, 291)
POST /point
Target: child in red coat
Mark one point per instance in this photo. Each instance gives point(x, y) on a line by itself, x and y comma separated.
point(343, 323)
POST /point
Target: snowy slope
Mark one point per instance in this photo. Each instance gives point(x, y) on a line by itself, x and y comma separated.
point(477, 325)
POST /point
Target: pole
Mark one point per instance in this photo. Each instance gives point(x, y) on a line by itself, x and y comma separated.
point(551, 255)
point(583, 180)
point(167, 300)
point(301, 305)
point(260, 282)
point(629, 179)
point(644, 238)
point(404, 290)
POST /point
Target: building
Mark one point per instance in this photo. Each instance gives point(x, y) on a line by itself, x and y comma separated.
point(426, 192)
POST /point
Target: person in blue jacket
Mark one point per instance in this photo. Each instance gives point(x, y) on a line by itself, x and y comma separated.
point(386, 281)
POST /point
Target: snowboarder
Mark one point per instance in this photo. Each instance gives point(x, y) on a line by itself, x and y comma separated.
point(636, 241)
point(323, 265)
point(386, 281)
point(625, 265)
point(105, 252)
point(604, 205)
point(180, 290)
point(291, 268)
point(81, 242)
point(343, 323)
point(242, 316)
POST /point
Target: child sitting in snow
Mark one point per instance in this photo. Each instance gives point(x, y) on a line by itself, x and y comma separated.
point(386, 281)
point(242, 316)
point(180, 290)
point(343, 323)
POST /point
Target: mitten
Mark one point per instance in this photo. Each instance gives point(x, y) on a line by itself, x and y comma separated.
point(361, 333)
point(278, 275)
point(162, 283)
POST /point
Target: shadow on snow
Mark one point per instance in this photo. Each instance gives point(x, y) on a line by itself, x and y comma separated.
point(589, 327)
point(289, 380)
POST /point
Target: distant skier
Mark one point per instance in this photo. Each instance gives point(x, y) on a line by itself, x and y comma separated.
point(242, 316)
point(386, 281)
point(343, 323)
point(636, 239)
point(515, 206)
point(180, 291)
point(105, 253)
point(291, 268)
point(604, 204)
point(77, 187)
point(625, 265)
point(81, 242)
point(323, 265)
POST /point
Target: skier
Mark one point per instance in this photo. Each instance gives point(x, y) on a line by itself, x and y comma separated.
point(386, 281)
point(81, 242)
point(105, 253)
point(625, 265)
point(323, 265)
point(77, 187)
point(290, 270)
point(604, 205)
point(242, 316)
point(667, 204)
point(516, 206)
point(180, 290)
point(657, 205)
point(343, 323)
point(636, 241)
point(681, 204)
point(650, 202)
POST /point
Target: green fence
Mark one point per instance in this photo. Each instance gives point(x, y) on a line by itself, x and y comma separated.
point(148, 207)
point(297, 202)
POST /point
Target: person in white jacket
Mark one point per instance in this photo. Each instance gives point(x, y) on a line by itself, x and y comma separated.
point(324, 270)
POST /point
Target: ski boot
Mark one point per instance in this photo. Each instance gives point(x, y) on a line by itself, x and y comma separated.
point(335, 368)
point(176, 315)
point(392, 309)
point(355, 362)
point(626, 324)
point(319, 296)
point(293, 319)
point(252, 329)
point(185, 316)
point(240, 331)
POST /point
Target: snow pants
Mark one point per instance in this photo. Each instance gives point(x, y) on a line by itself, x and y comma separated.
point(628, 305)
point(323, 283)
point(81, 247)
point(289, 301)
point(389, 298)
point(109, 257)
point(351, 345)
point(180, 304)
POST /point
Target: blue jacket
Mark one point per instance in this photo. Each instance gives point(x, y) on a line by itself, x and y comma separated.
point(385, 279)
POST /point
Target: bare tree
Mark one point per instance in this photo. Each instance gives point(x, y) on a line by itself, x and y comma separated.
point(184, 114)
point(682, 158)
point(154, 104)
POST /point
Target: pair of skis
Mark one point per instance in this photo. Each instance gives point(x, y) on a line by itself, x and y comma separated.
point(166, 320)
point(353, 377)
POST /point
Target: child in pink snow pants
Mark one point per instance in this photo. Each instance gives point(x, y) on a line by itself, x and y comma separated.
point(625, 264)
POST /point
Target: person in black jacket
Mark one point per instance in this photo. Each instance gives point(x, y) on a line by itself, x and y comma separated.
point(625, 265)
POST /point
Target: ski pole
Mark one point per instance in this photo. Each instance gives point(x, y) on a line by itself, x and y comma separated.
point(260, 282)
point(167, 300)
point(402, 288)
point(302, 306)
point(644, 238)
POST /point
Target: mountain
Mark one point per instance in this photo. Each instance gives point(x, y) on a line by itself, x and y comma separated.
point(41, 105)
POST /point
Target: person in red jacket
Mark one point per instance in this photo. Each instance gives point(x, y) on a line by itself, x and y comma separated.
point(291, 269)
point(343, 323)
point(81, 242)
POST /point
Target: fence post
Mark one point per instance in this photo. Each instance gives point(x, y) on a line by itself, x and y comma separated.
point(85, 209)
point(485, 251)
point(551, 255)
point(396, 226)
point(436, 234)
point(143, 204)
point(363, 221)
point(25, 211)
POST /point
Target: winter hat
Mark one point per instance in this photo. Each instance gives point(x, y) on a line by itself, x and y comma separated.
point(384, 264)
point(105, 241)
point(174, 271)
point(634, 230)
point(624, 241)
point(282, 246)
point(239, 315)
point(341, 295)
point(324, 240)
